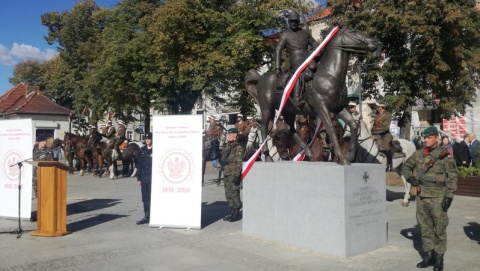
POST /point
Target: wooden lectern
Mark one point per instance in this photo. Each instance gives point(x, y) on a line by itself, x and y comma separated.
point(51, 198)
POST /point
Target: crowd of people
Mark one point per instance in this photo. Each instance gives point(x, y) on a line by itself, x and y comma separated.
point(464, 151)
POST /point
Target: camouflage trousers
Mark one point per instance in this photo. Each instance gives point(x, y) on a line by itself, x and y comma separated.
point(232, 192)
point(34, 181)
point(433, 223)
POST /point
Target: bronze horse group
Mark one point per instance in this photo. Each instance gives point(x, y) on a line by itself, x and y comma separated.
point(325, 94)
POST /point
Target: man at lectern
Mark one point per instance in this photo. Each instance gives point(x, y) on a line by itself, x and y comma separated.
point(144, 176)
point(40, 153)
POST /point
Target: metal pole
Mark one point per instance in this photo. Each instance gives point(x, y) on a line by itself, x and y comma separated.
point(360, 89)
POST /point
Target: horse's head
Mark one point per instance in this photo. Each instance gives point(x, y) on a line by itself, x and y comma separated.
point(304, 130)
point(353, 41)
point(94, 137)
point(281, 139)
point(57, 142)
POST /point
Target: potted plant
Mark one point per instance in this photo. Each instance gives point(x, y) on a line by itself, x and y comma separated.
point(468, 182)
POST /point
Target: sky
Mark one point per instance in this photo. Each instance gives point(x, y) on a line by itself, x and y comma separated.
point(22, 33)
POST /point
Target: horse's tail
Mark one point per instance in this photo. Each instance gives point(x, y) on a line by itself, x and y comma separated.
point(251, 80)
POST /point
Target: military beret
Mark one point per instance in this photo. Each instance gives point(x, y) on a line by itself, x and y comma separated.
point(41, 138)
point(232, 131)
point(148, 135)
point(430, 131)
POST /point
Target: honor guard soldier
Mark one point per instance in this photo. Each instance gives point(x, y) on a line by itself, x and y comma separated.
point(231, 161)
point(436, 181)
point(144, 176)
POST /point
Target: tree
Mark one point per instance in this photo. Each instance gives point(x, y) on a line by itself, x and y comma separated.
point(59, 81)
point(432, 49)
point(125, 70)
point(208, 46)
point(78, 34)
point(28, 72)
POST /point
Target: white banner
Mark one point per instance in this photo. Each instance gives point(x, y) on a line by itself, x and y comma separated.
point(15, 146)
point(177, 172)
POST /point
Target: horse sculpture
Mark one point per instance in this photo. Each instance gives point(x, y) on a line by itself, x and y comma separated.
point(77, 146)
point(320, 143)
point(325, 94)
point(107, 156)
point(368, 152)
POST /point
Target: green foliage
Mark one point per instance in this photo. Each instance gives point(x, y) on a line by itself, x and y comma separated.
point(161, 54)
point(432, 49)
point(468, 171)
point(28, 72)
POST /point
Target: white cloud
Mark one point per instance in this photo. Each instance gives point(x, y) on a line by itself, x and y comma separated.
point(25, 51)
point(5, 56)
point(22, 52)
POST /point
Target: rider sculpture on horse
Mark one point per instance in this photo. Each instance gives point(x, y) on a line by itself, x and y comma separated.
point(297, 42)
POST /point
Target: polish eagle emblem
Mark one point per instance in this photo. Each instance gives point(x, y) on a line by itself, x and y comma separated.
point(176, 167)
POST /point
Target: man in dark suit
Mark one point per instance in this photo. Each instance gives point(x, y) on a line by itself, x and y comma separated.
point(461, 152)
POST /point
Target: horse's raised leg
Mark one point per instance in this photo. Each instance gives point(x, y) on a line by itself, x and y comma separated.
point(322, 111)
point(354, 126)
point(406, 198)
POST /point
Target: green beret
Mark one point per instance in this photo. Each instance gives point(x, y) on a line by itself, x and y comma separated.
point(430, 131)
point(232, 131)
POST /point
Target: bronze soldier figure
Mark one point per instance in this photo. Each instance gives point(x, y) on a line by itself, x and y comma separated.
point(297, 41)
point(436, 181)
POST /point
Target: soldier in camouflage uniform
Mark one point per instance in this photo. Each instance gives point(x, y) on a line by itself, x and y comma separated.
point(232, 159)
point(40, 153)
point(436, 188)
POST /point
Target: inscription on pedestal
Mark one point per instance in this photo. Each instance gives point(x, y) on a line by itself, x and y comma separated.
point(363, 205)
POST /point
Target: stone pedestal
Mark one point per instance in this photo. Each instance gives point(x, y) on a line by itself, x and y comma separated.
point(329, 208)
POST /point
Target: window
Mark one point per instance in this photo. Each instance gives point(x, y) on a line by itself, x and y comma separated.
point(47, 133)
point(130, 135)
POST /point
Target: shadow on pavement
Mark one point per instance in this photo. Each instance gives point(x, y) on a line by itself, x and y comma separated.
point(414, 235)
point(90, 205)
point(92, 221)
point(473, 231)
point(213, 212)
point(393, 195)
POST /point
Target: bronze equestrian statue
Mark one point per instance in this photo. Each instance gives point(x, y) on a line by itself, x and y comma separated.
point(326, 93)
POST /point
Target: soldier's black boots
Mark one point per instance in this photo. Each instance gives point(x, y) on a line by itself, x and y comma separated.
point(438, 266)
point(145, 219)
point(235, 215)
point(227, 217)
point(429, 260)
point(389, 168)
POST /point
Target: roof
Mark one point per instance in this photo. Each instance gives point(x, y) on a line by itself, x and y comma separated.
point(23, 99)
point(320, 14)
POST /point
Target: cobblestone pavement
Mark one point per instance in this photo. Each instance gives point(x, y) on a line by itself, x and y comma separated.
point(101, 215)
